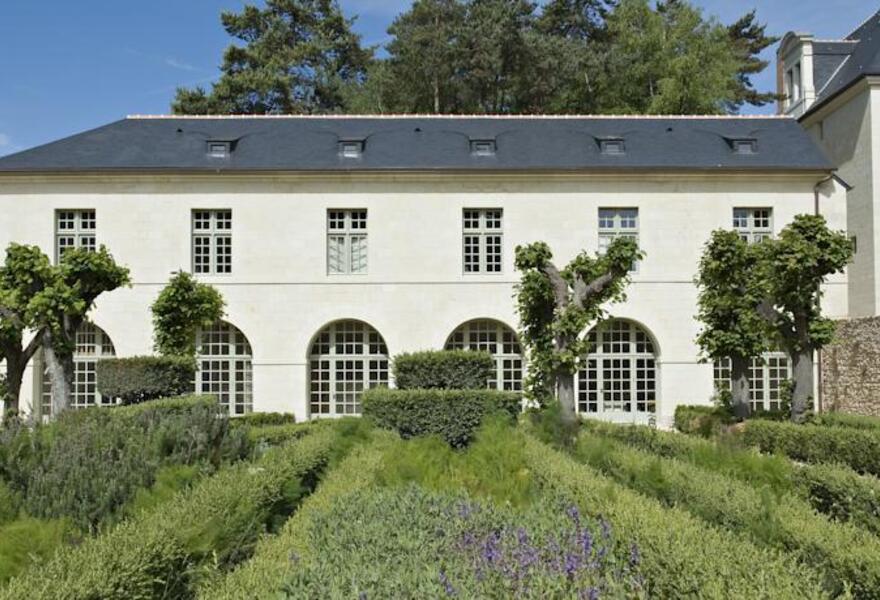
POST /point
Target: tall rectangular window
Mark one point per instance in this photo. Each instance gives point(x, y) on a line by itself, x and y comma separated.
point(753, 224)
point(212, 241)
point(618, 222)
point(74, 229)
point(482, 240)
point(346, 241)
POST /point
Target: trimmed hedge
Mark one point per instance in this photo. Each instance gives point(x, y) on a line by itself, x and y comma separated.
point(452, 414)
point(443, 369)
point(168, 551)
point(834, 490)
point(141, 378)
point(838, 419)
point(262, 419)
point(816, 444)
point(787, 523)
point(705, 421)
point(681, 556)
point(264, 574)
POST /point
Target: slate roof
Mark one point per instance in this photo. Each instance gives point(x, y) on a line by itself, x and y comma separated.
point(412, 143)
point(842, 63)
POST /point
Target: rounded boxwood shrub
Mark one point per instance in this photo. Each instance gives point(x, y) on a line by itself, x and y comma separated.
point(452, 414)
point(443, 369)
point(141, 378)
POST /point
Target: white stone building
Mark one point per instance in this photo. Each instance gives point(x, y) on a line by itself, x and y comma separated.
point(339, 242)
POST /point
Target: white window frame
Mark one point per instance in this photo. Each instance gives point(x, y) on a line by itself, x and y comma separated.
point(225, 367)
point(82, 232)
point(617, 222)
point(345, 359)
point(347, 234)
point(213, 235)
point(753, 224)
point(499, 340)
point(482, 241)
point(767, 374)
point(619, 379)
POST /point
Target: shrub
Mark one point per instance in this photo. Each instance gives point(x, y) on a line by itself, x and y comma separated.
point(706, 421)
point(9, 503)
point(165, 552)
point(858, 448)
point(443, 369)
point(680, 555)
point(29, 542)
point(452, 414)
point(183, 306)
point(141, 378)
point(838, 419)
point(788, 523)
point(261, 419)
point(407, 541)
point(842, 494)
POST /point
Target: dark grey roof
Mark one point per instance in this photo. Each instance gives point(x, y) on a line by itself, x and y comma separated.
point(856, 56)
point(425, 143)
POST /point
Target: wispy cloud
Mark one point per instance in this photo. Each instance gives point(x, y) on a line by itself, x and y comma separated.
point(168, 61)
point(179, 64)
point(6, 145)
point(4, 140)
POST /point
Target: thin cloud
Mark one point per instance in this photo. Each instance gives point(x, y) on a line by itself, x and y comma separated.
point(4, 140)
point(178, 64)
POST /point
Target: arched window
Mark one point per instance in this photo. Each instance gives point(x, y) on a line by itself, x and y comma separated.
point(767, 376)
point(501, 342)
point(346, 358)
point(225, 367)
point(92, 344)
point(619, 375)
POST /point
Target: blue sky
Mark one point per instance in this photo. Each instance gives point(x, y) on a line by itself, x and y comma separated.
point(67, 66)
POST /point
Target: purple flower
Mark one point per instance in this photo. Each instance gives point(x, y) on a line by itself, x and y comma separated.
point(464, 510)
point(589, 594)
point(447, 586)
point(522, 537)
point(574, 514)
point(572, 564)
point(606, 529)
point(585, 541)
point(491, 552)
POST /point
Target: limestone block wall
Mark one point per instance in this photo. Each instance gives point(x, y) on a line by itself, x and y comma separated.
point(851, 368)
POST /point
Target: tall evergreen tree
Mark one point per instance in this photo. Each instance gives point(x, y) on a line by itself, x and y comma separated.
point(749, 38)
point(297, 57)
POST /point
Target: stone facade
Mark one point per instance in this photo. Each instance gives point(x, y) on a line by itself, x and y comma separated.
point(851, 368)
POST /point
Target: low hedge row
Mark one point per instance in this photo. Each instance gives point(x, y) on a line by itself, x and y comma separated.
point(443, 369)
point(141, 378)
point(787, 523)
point(264, 574)
point(452, 414)
point(166, 552)
point(681, 556)
point(816, 444)
point(834, 490)
point(838, 419)
point(705, 421)
point(261, 419)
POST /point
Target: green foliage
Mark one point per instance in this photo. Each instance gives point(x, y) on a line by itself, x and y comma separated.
point(296, 57)
point(141, 378)
point(409, 542)
point(168, 481)
point(29, 542)
point(454, 415)
point(443, 369)
point(817, 444)
point(838, 419)
point(705, 421)
point(787, 523)
point(681, 555)
point(549, 426)
point(166, 552)
point(9, 503)
point(86, 465)
point(556, 307)
point(842, 494)
point(184, 306)
point(262, 419)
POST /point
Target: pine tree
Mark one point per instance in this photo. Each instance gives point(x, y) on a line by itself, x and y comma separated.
point(749, 38)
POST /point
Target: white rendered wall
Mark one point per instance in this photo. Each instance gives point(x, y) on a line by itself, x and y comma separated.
point(415, 293)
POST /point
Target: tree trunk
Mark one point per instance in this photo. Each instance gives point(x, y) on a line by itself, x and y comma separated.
point(739, 386)
point(565, 395)
point(802, 371)
point(60, 375)
point(14, 375)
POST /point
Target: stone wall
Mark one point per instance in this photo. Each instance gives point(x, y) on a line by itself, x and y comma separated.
point(851, 368)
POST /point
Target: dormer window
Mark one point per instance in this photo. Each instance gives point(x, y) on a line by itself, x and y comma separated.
point(219, 149)
point(612, 146)
point(483, 147)
point(744, 145)
point(351, 148)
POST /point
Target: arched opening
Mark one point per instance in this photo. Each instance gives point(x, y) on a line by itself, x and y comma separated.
point(500, 341)
point(767, 376)
point(225, 369)
point(345, 358)
point(92, 344)
point(619, 377)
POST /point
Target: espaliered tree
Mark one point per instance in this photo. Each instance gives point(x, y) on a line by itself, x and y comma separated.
point(793, 268)
point(68, 293)
point(730, 287)
point(556, 306)
point(183, 306)
point(22, 275)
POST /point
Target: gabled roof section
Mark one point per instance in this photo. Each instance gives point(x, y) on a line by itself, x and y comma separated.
point(841, 63)
point(419, 143)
